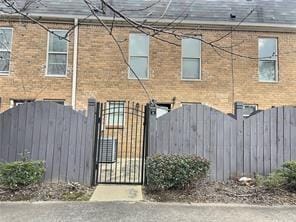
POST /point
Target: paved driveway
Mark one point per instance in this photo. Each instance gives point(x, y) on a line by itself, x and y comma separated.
point(58, 212)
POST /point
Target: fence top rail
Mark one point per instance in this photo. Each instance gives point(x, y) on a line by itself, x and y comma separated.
point(211, 109)
point(49, 103)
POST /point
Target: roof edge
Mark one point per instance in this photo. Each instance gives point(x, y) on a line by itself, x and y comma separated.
point(248, 26)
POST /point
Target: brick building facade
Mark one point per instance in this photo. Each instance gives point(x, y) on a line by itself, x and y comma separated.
point(102, 74)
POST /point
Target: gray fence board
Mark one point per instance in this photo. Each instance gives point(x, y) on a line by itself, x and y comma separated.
point(280, 136)
point(44, 131)
point(253, 148)
point(233, 171)
point(220, 149)
point(198, 130)
point(266, 139)
point(6, 134)
point(13, 131)
point(65, 144)
point(213, 144)
point(293, 133)
point(207, 132)
point(57, 148)
point(51, 140)
point(173, 139)
point(56, 134)
point(260, 127)
point(72, 147)
point(235, 147)
point(187, 115)
point(247, 144)
point(29, 129)
point(1, 140)
point(273, 138)
point(22, 110)
point(227, 147)
point(37, 131)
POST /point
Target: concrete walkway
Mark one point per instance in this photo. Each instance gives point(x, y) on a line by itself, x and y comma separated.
point(116, 211)
point(117, 193)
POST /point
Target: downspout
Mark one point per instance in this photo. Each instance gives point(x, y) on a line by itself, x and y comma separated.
point(75, 55)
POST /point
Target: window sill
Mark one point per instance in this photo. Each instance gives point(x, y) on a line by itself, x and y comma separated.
point(4, 74)
point(137, 79)
point(56, 76)
point(271, 82)
point(192, 80)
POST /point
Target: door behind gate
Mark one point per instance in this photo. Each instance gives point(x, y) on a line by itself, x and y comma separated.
point(120, 143)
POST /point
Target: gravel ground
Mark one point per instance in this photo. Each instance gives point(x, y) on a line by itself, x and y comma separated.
point(229, 192)
point(45, 192)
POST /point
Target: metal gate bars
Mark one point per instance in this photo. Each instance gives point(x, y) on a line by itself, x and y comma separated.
point(120, 143)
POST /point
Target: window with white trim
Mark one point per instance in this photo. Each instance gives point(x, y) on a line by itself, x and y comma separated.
point(191, 59)
point(5, 49)
point(115, 111)
point(57, 54)
point(268, 64)
point(139, 55)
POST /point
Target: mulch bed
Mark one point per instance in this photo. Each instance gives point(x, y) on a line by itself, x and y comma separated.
point(46, 192)
point(228, 192)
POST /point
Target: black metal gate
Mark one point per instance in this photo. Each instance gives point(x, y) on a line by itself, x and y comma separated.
point(120, 143)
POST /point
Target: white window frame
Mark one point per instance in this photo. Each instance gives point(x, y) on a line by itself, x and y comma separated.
point(276, 61)
point(6, 73)
point(130, 73)
point(62, 53)
point(115, 125)
point(200, 51)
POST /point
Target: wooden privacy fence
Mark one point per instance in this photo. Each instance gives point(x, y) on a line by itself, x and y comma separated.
point(235, 146)
point(57, 134)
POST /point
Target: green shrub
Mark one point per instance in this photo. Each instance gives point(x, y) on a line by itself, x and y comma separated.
point(284, 177)
point(274, 180)
point(174, 171)
point(289, 174)
point(21, 173)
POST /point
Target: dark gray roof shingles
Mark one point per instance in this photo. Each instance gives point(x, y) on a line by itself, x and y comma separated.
point(265, 11)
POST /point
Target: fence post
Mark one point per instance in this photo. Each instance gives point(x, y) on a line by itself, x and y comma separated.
point(240, 139)
point(91, 138)
point(152, 127)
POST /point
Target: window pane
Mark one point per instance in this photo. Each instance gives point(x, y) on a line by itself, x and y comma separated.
point(57, 58)
point(4, 61)
point(116, 113)
point(267, 48)
point(56, 44)
point(57, 69)
point(5, 39)
point(191, 69)
point(267, 70)
point(139, 45)
point(57, 64)
point(139, 66)
point(191, 48)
